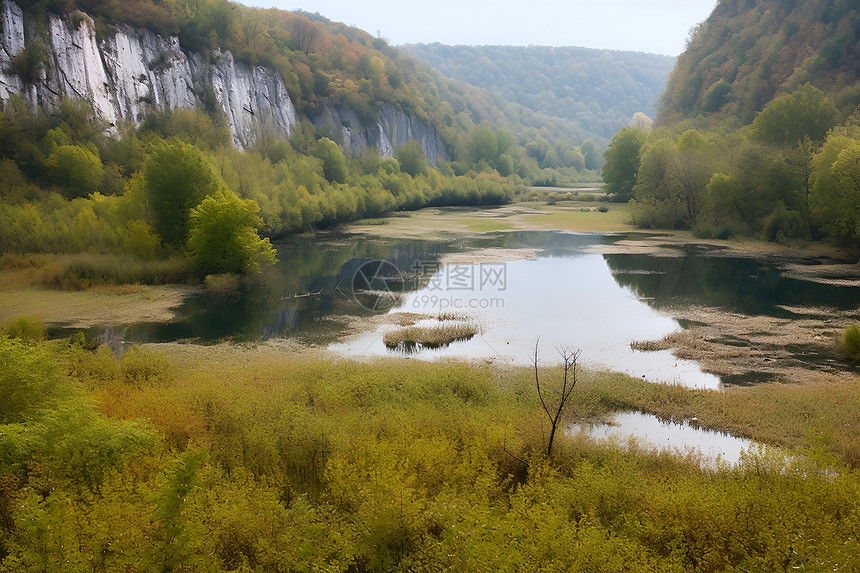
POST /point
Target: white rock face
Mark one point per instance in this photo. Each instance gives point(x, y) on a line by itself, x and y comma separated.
point(394, 128)
point(124, 75)
point(147, 70)
point(252, 99)
point(77, 68)
point(136, 69)
point(11, 44)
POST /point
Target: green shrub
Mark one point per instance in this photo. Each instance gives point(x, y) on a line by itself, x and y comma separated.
point(851, 341)
point(27, 329)
point(29, 380)
point(139, 366)
point(783, 226)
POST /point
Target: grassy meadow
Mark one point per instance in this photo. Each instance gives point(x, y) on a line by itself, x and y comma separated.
point(254, 458)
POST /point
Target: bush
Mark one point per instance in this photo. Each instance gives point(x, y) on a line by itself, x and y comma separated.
point(850, 342)
point(27, 329)
point(29, 380)
point(783, 226)
point(141, 366)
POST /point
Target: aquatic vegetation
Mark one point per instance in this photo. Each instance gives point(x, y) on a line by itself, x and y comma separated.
point(411, 338)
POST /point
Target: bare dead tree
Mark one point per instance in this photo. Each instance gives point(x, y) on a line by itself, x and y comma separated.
point(554, 409)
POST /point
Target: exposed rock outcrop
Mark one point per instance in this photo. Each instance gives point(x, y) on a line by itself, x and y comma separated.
point(124, 74)
point(394, 128)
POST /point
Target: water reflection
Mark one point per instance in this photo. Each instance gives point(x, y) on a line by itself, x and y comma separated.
point(668, 435)
point(742, 285)
point(567, 300)
point(564, 293)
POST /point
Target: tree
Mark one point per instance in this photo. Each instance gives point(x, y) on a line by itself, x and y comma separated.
point(658, 192)
point(30, 380)
point(835, 194)
point(77, 169)
point(621, 162)
point(555, 410)
point(591, 151)
point(411, 157)
point(177, 177)
point(483, 144)
point(334, 162)
point(305, 32)
point(759, 182)
point(693, 171)
point(716, 96)
point(223, 236)
point(805, 112)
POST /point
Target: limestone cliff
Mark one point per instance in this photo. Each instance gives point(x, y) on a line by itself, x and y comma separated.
point(124, 74)
point(391, 130)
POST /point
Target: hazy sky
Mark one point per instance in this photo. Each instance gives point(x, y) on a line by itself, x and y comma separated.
point(658, 26)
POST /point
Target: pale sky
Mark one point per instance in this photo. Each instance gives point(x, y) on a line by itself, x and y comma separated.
point(657, 26)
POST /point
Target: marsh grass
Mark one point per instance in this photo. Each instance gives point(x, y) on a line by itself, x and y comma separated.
point(27, 329)
point(272, 459)
point(650, 345)
point(414, 338)
point(83, 271)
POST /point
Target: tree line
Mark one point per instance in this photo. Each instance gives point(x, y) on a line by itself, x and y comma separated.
point(789, 175)
point(175, 188)
point(324, 62)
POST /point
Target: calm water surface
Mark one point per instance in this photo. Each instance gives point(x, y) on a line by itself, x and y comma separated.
point(563, 292)
point(652, 432)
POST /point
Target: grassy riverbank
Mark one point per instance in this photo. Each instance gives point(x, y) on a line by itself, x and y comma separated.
point(231, 458)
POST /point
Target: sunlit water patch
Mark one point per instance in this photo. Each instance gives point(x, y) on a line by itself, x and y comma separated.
point(533, 283)
point(572, 301)
point(653, 432)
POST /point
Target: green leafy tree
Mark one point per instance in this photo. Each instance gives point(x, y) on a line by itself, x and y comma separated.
point(621, 162)
point(334, 162)
point(177, 177)
point(835, 194)
point(178, 544)
point(759, 182)
point(593, 157)
point(483, 144)
point(223, 236)
point(411, 157)
point(77, 169)
point(716, 96)
point(658, 192)
point(805, 112)
point(29, 380)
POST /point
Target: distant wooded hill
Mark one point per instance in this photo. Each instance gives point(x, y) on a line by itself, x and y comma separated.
point(599, 90)
point(758, 133)
point(749, 52)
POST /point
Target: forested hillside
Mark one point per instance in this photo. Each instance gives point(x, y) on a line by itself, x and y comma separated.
point(749, 52)
point(166, 195)
point(759, 130)
point(325, 64)
point(598, 90)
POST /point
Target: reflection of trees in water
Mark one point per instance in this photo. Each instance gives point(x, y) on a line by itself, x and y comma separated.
point(741, 284)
